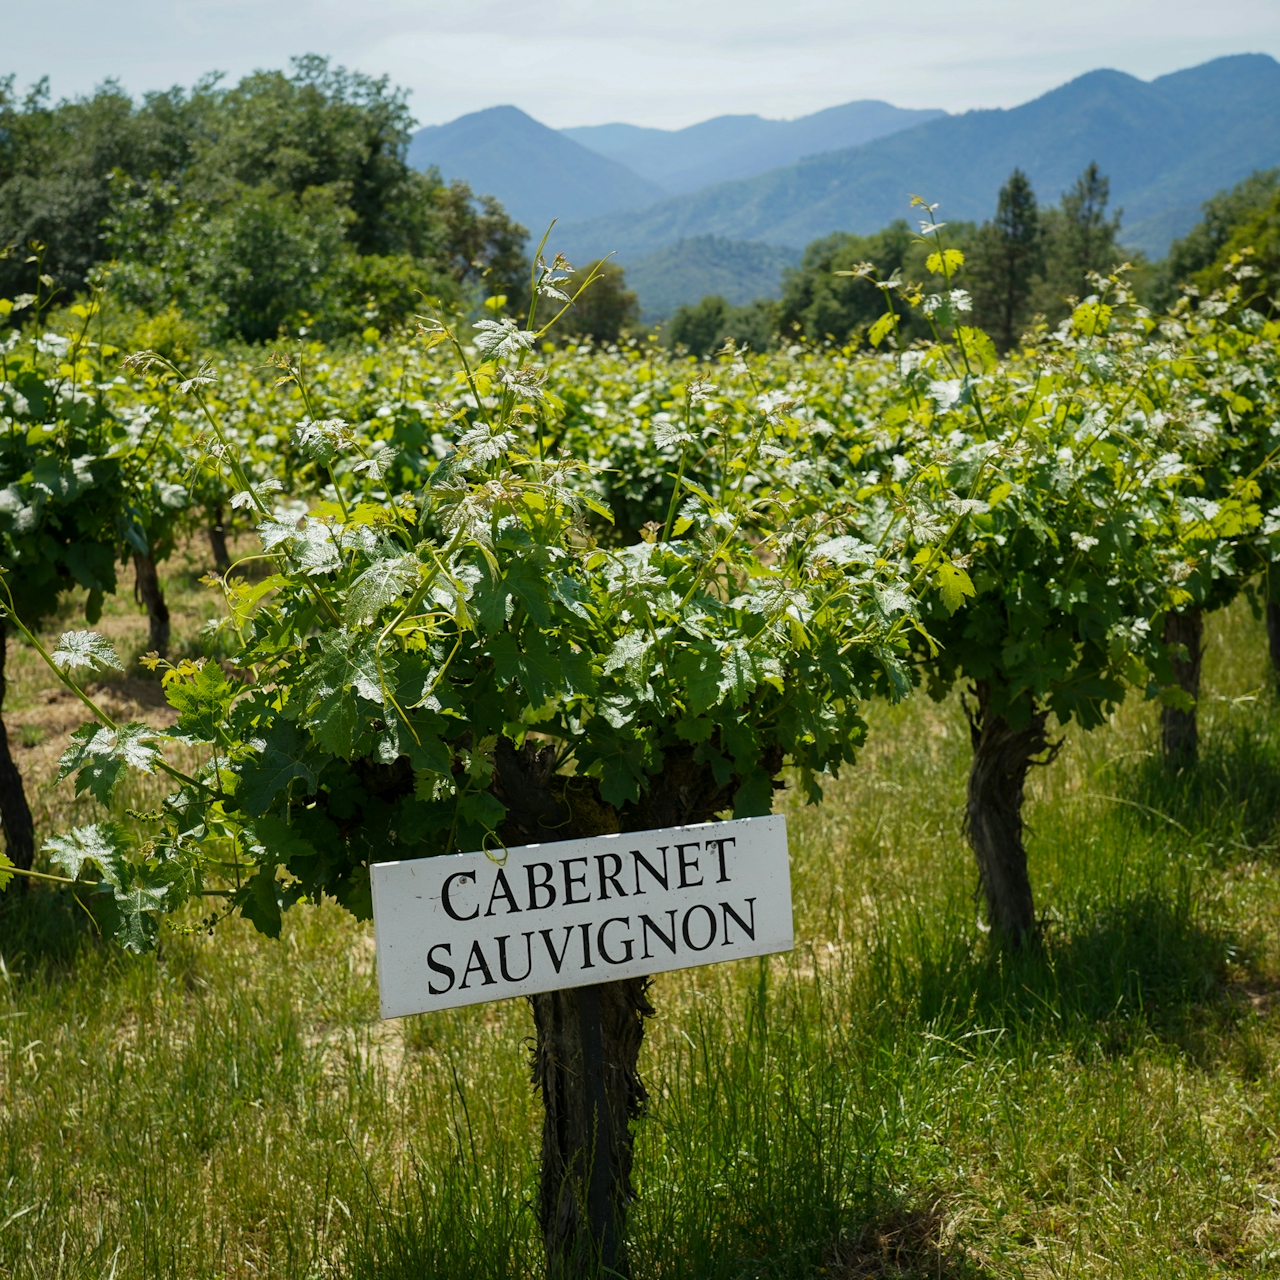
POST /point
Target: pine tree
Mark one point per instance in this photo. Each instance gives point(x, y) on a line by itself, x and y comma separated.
point(1079, 238)
point(1006, 259)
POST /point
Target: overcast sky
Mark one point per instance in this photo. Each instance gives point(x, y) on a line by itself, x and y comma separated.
point(655, 62)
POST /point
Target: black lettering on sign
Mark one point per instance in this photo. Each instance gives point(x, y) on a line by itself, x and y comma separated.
point(557, 960)
point(501, 889)
point(719, 846)
point(544, 883)
point(687, 864)
point(749, 929)
point(638, 859)
point(626, 942)
point(669, 942)
point(570, 881)
point(711, 921)
point(444, 895)
point(587, 962)
point(528, 958)
point(608, 878)
point(442, 969)
point(476, 963)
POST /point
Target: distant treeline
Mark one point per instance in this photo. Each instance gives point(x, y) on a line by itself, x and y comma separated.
point(1023, 264)
point(282, 202)
point(284, 205)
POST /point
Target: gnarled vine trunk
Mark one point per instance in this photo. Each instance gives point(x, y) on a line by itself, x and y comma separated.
point(588, 1038)
point(1002, 757)
point(15, 813)
point(1179, 730)
point(218, 543)
point(149, 593)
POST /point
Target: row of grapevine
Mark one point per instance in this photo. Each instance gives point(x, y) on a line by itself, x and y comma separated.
point(519, 593)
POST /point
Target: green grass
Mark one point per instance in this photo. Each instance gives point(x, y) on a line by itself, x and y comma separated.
point(891, 1100)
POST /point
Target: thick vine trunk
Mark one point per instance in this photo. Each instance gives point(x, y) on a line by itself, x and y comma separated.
point(588, 1046)
point(1179, 731)
point(993, 815)
point(15, 813)
point(149, 592)
point(218, 543)
point(588, 1039)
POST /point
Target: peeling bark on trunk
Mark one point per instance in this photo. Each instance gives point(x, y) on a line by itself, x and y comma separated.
point(1179, 731)
point(218, 543)
point(148, 592)
point(588, 1038)
point(15, 813)
point(1002, 757)
point(585, 1068)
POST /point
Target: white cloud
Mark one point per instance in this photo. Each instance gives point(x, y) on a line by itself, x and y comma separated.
point(657, 62)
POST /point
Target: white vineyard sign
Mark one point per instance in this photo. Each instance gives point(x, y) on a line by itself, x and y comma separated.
point(468, 928)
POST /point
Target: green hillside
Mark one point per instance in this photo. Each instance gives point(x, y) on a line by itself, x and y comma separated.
point(738, 270)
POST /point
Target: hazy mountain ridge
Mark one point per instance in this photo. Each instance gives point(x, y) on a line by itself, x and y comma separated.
point(729, 147)
point(537, 173)
point(1167, 145)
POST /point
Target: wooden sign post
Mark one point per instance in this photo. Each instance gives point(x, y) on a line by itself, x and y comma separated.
point(470, 928)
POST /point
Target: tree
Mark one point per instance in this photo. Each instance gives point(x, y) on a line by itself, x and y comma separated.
point(471, 670)
point(1079, 239)
point(822, 301)
point(63, 482)
point(704, 327)
point(604, 312)
point(1005, 259)
point(186, 192)
point(1074, 523)
point(1252, 252)
point(1205, 243)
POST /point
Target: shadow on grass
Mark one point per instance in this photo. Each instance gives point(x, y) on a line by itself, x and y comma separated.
point(1228, 803)
point(1147, 965)
point(42, 927)
point(902, 1244)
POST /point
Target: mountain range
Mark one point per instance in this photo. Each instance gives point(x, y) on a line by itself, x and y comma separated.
point(537, 173)
point(540, 173)
point(730, 147)
point(1166, 145)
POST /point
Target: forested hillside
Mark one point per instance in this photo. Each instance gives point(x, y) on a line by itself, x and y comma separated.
point(1168, 145)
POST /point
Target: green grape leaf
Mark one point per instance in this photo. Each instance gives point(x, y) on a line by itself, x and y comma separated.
point(536, 668)
point(202, 701)
point(99, 755)
point(524, 581)
point(347, 661)
point(880, 330)
point(697, 673)
point(261, 902)
point(380, 584)
point(98, 843)
point(754, 796)
point(954, 584)
point(85, 649)
point(138, 907)
point(739, 674)
point(283, 754)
